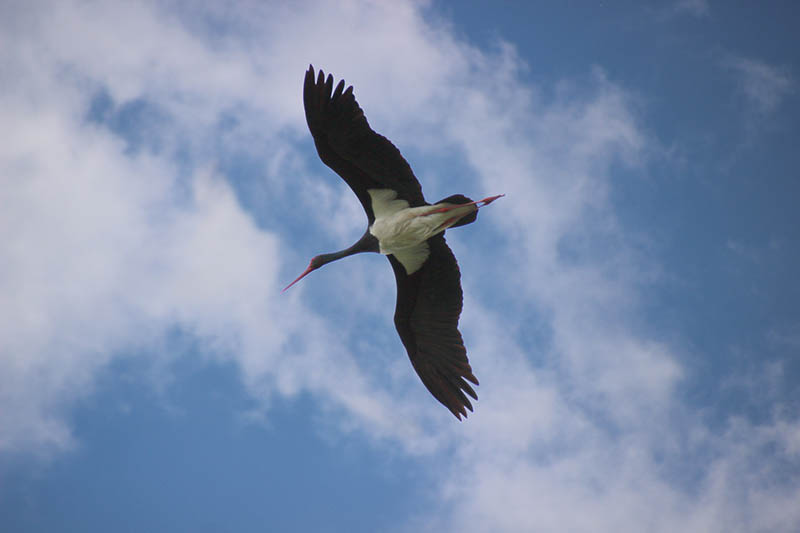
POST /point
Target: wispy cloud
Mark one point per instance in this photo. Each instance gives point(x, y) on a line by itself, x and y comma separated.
point(697, 8)
point(580, 425)
point(765, 86)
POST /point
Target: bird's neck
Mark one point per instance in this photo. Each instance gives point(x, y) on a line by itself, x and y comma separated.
point(367, 243)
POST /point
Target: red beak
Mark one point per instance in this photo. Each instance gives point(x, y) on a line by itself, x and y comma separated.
point(301, 276)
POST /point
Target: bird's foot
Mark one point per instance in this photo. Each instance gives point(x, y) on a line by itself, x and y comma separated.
point(487, 201)
point(484, 202)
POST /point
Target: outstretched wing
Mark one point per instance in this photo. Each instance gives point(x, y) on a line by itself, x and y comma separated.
point(428, 307)
point(346, 143)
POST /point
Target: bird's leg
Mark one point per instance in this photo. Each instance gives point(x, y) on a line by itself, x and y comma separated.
point(446, 224)
point(485, 202)
point(450, 221)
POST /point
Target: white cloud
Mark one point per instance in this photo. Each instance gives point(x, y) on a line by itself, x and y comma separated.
point(104, 249)
point(765, 86)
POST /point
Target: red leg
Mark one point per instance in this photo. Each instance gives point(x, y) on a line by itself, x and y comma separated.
point(485, 202)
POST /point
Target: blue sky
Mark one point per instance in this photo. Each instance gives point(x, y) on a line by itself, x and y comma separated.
point(630, 305)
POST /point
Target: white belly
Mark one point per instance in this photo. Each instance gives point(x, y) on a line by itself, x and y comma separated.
point(402, 230)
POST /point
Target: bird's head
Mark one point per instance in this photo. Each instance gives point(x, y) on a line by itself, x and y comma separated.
point(315, 263)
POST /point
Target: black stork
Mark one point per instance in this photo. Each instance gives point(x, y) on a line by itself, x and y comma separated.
point(405, 228)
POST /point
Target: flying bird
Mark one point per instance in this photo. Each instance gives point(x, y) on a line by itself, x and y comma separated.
point(405, 228)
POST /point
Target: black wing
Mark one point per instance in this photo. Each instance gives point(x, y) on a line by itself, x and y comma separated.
point(428, 306)
point(346, 143)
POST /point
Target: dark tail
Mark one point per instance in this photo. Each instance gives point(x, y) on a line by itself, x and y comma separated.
point(460, 199)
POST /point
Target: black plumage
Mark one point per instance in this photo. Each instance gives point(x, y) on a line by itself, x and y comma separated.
point(429, 299)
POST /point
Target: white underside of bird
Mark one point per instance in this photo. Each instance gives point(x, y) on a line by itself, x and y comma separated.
point(402, 230)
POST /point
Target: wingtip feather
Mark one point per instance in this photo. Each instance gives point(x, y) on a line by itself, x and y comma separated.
point(337, 93)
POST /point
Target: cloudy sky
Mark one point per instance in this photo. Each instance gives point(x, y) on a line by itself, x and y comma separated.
point(630, 305)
